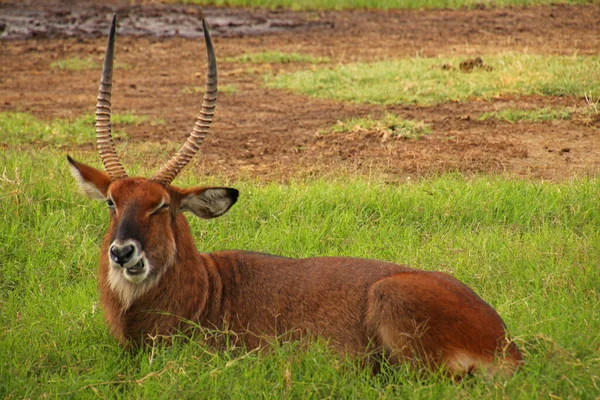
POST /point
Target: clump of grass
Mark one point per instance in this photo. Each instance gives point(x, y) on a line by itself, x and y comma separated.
point(276, 57)
point(594, 105)
point(200, 89)
point(23, 128)
point(532, 115)
point(585, 115)
point(389, 126)
point(75, 64)
point(158, 121)
point(423, 80)
point(79, 64)
point(591, 114)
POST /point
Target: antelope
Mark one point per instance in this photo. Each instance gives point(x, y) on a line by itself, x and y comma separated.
point(153, 281)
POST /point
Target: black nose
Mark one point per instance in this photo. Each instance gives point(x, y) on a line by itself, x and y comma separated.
point(121, 254)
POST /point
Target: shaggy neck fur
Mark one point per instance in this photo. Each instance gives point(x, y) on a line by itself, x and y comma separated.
point(179, 290)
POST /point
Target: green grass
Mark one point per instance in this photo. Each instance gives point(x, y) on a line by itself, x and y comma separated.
point(229, 89)
point(23, 128)
point(376, 4)
point(390, 125)
point(533, 115)
point(424, 81)
point(529, 248)
point(276, 57)
point(79, 64)
point(541, 114)
point(75, 64)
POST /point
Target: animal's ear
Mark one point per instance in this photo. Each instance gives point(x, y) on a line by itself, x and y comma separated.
point(208, 202)
point(93, 182)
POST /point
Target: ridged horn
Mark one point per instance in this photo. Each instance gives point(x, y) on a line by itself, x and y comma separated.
point(169, 171)
point(106, 146)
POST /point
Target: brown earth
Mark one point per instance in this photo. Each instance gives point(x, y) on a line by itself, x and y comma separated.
point(272, 134)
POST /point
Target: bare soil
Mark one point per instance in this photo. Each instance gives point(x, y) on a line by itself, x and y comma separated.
point(273, 134)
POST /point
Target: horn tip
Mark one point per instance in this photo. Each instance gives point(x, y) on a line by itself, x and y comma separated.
point(205, 28)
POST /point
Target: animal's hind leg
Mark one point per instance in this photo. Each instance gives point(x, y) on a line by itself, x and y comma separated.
point(393, 327)
point(433, 320)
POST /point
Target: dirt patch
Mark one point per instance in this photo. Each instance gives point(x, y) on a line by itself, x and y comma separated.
point(69, 19)
point(272, 133)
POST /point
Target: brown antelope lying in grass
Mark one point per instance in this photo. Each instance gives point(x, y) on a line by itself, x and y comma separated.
point(153, 281)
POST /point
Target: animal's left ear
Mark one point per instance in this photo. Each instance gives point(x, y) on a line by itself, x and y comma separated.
point(208, 202)
point(93, 182)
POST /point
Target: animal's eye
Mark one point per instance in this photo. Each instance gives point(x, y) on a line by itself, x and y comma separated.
point(162, 207)
point(110, 203)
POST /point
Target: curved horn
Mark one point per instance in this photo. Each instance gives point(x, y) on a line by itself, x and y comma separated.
point(169, 171)
point(106, 146)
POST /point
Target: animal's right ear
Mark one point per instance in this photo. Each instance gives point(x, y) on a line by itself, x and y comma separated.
point(93, 182)
point(208, 202)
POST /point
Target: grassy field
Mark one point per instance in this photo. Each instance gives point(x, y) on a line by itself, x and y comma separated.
point(275, 57)
point(428, 81)
point(530, 249)
point(23, 128)
point(377, 4)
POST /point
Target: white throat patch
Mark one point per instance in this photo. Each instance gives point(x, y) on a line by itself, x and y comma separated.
point(128, 290)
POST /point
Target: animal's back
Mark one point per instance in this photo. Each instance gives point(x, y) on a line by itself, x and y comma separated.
point(360, 304)
point(270, 295)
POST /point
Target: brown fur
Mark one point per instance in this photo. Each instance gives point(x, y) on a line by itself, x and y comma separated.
point(428, 319)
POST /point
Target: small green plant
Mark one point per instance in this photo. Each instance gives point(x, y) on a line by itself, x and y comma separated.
point(390, 125)
point(276, 57)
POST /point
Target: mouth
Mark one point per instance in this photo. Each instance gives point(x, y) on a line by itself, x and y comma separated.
point(137, 268)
